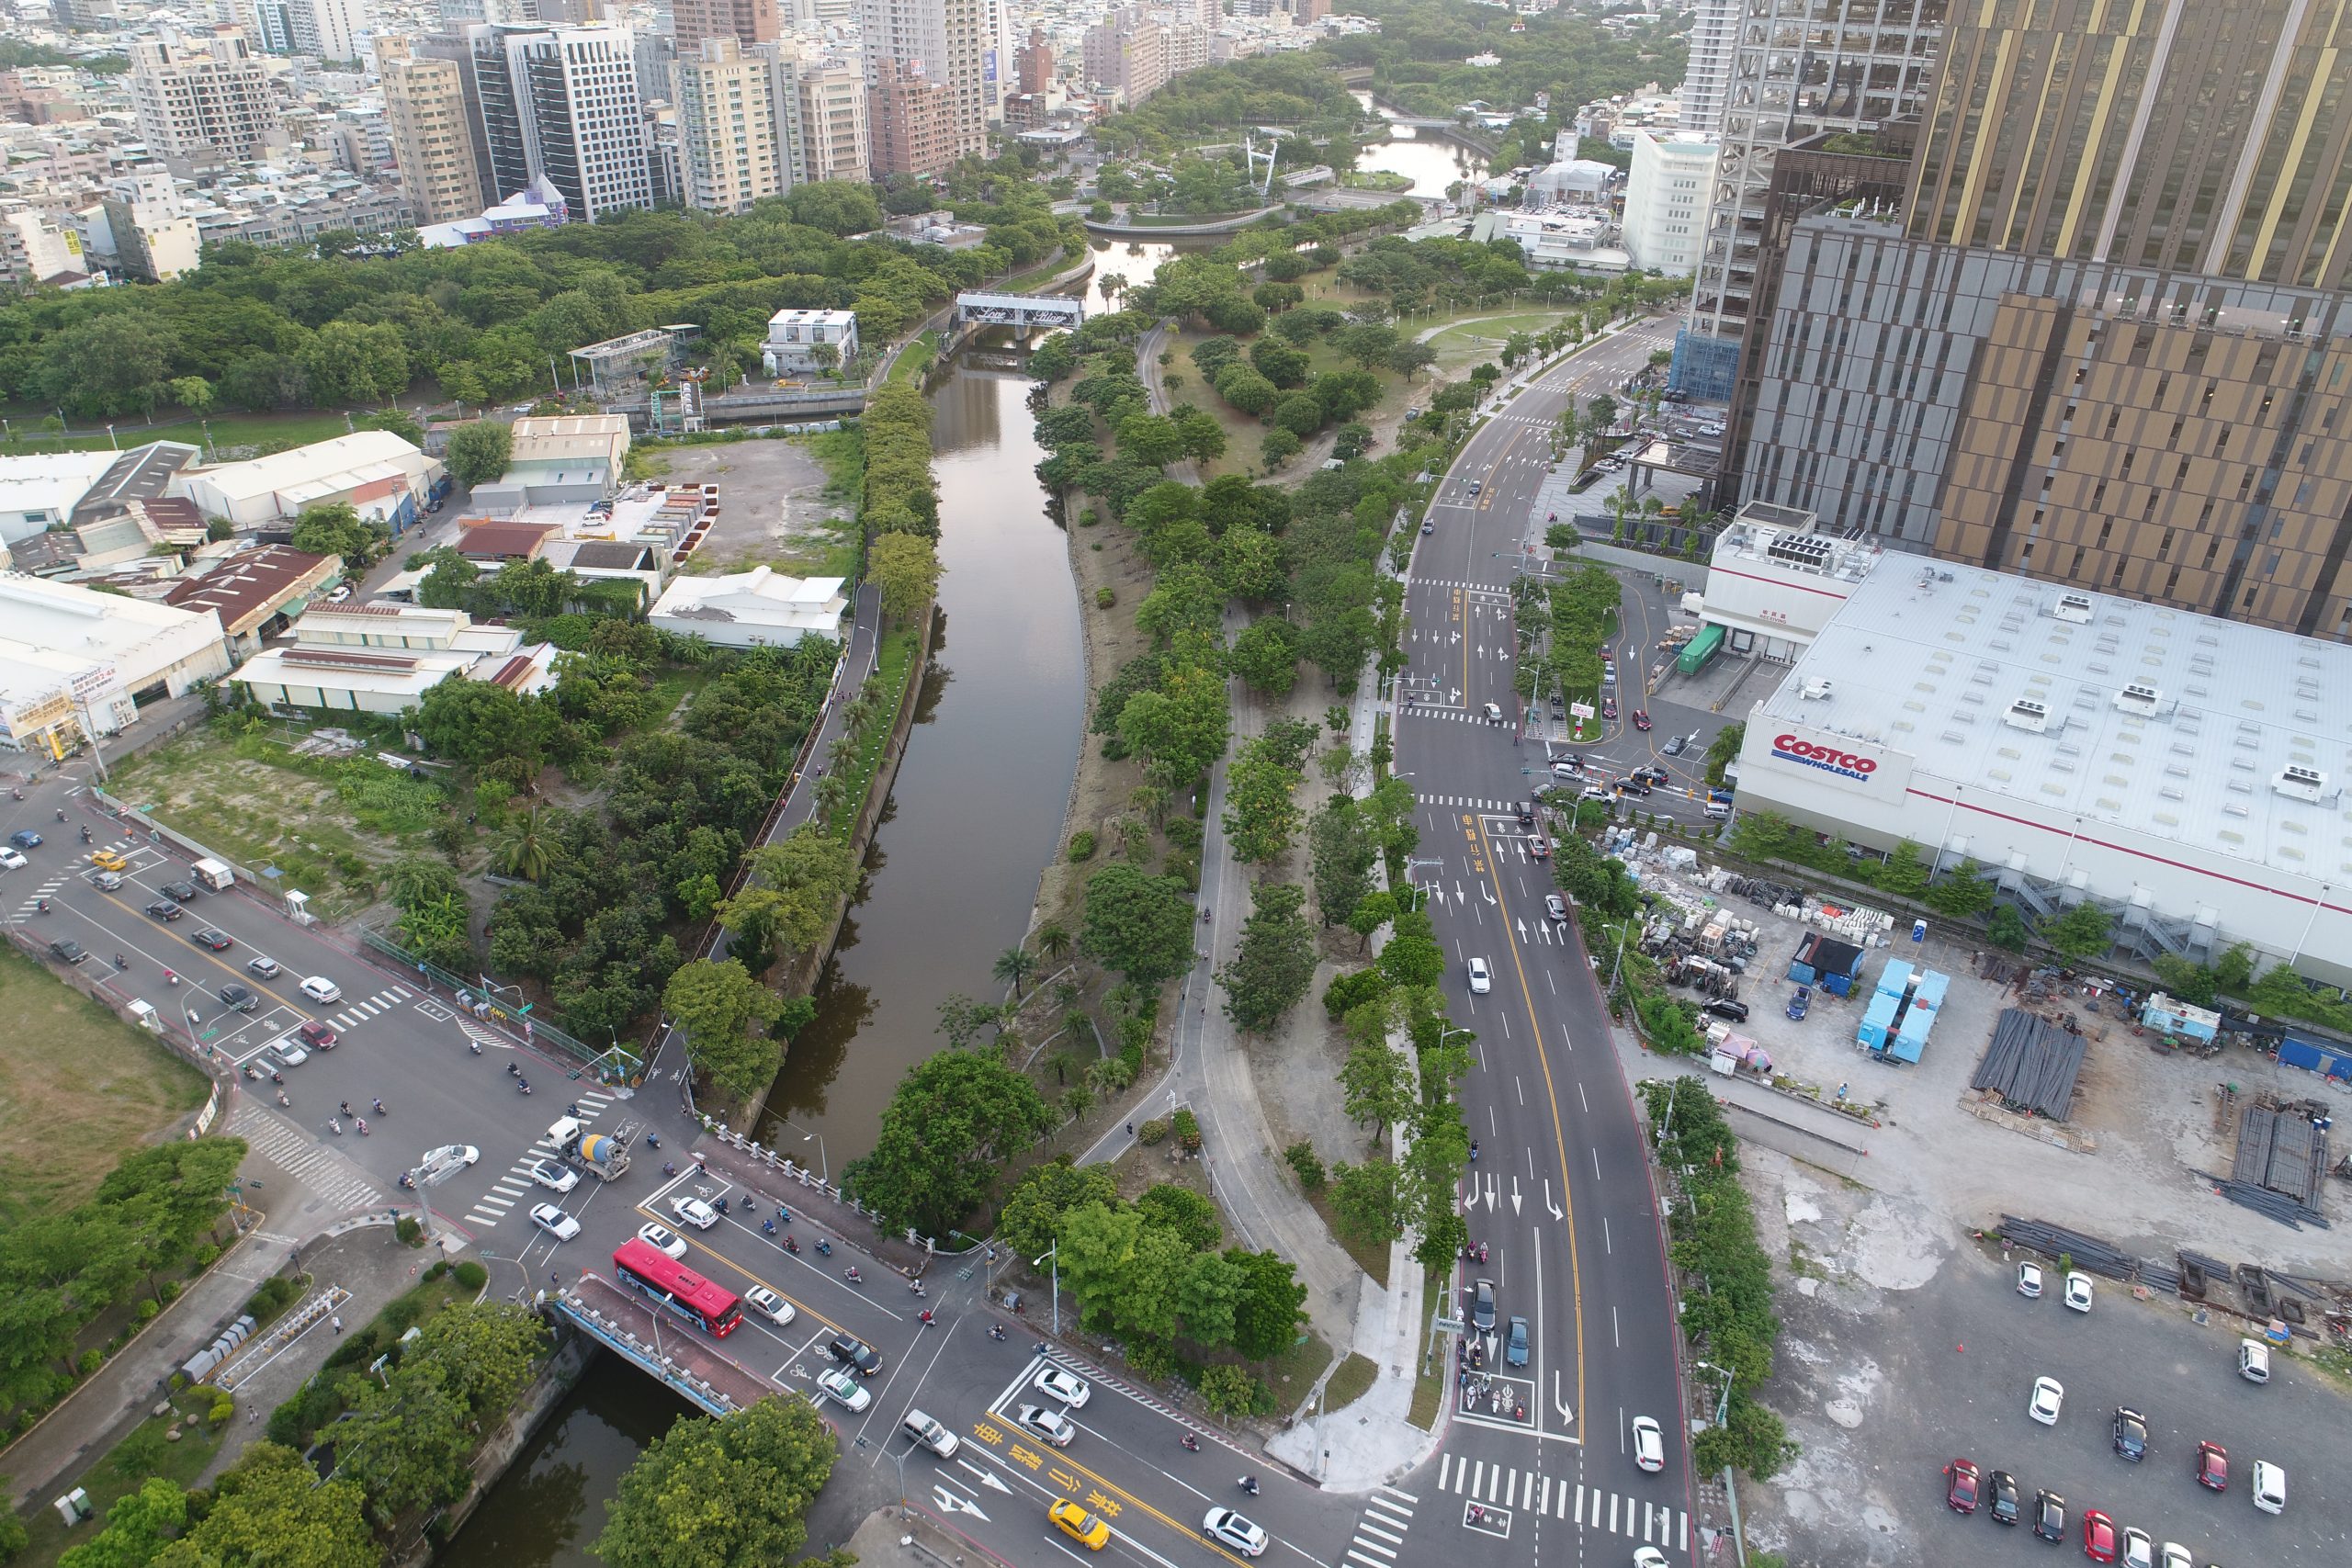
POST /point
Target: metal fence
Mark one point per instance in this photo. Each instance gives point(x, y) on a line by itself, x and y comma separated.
point(611, 1064)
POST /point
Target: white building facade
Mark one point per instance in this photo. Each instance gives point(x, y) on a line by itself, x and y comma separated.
point(1666, 201)
point(795, 336)
point(729, 153)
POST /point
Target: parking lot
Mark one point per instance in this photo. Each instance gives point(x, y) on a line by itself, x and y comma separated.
point(1906, 1345)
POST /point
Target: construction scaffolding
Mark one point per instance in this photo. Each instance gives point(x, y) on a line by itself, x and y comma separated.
point(618, 364)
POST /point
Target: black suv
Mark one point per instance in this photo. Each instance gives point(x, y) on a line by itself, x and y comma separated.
point(2002, 1487)
point(183, 891)
point(165, 909)
point(856, 1354)
point(2130, 1435)
point(1724, 1007)
point(1526, 814)
point(67, 949)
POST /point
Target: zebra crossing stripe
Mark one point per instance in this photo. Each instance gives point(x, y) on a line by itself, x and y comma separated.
point(1365, 1526)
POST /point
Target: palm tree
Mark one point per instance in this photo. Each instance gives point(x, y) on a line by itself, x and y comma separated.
point(521, 850)
point(1053, 939)
point(832, 794)
point(1013, 965)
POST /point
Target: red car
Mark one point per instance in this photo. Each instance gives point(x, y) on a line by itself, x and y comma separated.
point(1641, 719)
point(2098, 1535)
point(316, 1035)
point(1961, 1486)
point(2213, 1467)
point(1609, 707)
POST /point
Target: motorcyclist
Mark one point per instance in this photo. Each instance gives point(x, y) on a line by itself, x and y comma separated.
point(379, 1106)
point(1249, 1484)
point(1192, 1444)
point(852, 1276)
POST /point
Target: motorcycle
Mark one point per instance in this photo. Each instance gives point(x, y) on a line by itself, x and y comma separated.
point(282, 1099)
point(85, 835)
point(669, 1169)
point(170, 979)
point(824, 1247)
point(475, 1046)
point(790, 1245)
point(525, 1084)
point(379, 1106)
point(334, 1126)
point(41, 905)
point(996, 1331)
point(1249, 1483)
point(653, 1140)
point(120, 962)
point(363, 1126)
point(1192, 1444)
point(852, 1276)
point(768, 1226)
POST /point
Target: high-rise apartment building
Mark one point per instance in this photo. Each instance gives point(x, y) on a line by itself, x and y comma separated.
point(205, 102)
point(561, 102)
point(1126, 53)
point(729, 152)
point(944, 41)
point(1706, 80)
point(2106, 338)
point(342, 28)
point(456, 47)
point(822, 118)
point(1797, 68)
point(745, 21)
point(1036, 62)
point(433, 143)
point(910, 120)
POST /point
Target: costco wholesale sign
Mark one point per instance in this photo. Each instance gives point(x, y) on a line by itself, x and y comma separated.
point(1857, 765)
point(1845, 764)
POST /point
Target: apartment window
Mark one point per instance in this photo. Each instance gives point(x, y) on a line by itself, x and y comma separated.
point(2172, 580)
point(2173, 439)
point(2114, 418)
point(2076, 570)
point(2098, 493)
point(2117, 580)
point(2213, 548)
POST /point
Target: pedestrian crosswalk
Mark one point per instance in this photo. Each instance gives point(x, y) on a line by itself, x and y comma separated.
point(1493, 590)
point(515, 1185)
point(359, 1012)
point(1593, 1508)
point(298, 1153)
point(1380, 1530)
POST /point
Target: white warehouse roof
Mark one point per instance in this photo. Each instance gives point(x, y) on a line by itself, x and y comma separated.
point(2219, 737)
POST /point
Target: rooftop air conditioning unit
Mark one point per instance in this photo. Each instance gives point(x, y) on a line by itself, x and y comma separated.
point(2074, 607)
point(1815, 690)
point(2299, 783)
point(2138, 697)
point(2027, 714)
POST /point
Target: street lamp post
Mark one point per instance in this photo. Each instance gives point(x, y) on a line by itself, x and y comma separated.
point(1054, 1259)
point(806, 1134)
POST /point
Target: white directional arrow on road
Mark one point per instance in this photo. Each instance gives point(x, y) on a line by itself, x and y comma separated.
point(1559, 1398)
point(1557, 1212)
point(985, 1477)
point(1522, 929)
point(1488, 892)
point(950, 1503)
point(1459, 896)
point(1514, 1194)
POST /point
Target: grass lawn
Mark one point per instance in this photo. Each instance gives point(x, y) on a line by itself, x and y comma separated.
point(1372, 1259)
point(327, 826)
point(1351, 1382)
point(233, 434)
point(79, 1089)
point(1475, 342)
point(1293, 1372)
point(145, 1451)
point(910, 365)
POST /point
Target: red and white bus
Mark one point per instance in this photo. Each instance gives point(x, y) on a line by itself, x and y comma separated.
point(669, 1283)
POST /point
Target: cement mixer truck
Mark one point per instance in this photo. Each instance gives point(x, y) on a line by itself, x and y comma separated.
point(603, 1156)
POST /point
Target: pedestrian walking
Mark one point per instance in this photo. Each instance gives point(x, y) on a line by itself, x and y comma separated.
point(338, 1322)
point(1131, 1129)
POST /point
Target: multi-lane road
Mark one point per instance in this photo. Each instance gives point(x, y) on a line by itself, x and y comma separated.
point(1560, 1194)
point(1539, 1467)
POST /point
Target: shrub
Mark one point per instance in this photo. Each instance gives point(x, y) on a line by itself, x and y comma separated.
point(1105, 596)
point(470, 1274)
point(169, 1290)
point(89, 1361)
point(203, 1258)
point(1081, 845)
point(1152, 1133)
point(146, 1310)
point(1307, 1164)
point(410, 1233)
point(1229, 1390)
point(223, 1408)
point(437, 1272)
point(1187, 1128)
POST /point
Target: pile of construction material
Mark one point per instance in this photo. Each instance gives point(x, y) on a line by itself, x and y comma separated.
point(2088, 1253)
point(2031, 1065)
point(2280, 1163)
point(1857, 923)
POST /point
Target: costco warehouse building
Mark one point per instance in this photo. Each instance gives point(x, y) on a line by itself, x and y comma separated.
point(2186, 774)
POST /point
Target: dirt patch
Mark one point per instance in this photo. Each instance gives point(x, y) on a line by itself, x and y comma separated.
point(781, 500)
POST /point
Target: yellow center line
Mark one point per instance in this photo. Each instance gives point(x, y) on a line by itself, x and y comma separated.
point(991, 1431)
point(1559, 1135)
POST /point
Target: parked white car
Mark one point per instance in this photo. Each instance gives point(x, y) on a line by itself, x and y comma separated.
point(1070, 1389)
point(694, 1212)
point(2049, 1396)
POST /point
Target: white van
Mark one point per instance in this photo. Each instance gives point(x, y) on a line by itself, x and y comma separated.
point(2269, 1487)
point(1718, 810)
point(2253, 1360)
point(930, 1434)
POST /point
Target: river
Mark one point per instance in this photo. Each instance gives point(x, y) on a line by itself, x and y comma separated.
point(1431, 164)
point(975, 813)
point(977, 808)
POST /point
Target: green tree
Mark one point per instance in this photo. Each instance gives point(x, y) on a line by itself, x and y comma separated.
point(717, 1003)
point(1272, 1306)
point(734, 1493)
point(1260, 808)
point(1279, 446)
point(193, 393)
point(107, 365)
point(1342, 850)
point(837, 206)
point(1723, 750)
point(1366, 1202)
point(1182, 728)
point(1960, 894)
point(906, 568)
point(1013, 967)
point(271, 1509)
point(1139, 925)
point(480, 451)
point(522, 849)
point(335, 529)
point(1274, 963)
point(1204, 437)
point(2006, 929)
point(1377, 1084)
point(1191, 1215)
point(2082, 933)
point(1150, 440)
point(953, 1122)
point(1266, 655)
point(1032, 1214)
point(138, 1526)
point(349, 362)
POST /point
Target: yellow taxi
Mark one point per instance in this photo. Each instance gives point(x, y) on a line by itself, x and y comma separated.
point(1079, 1525)
point(106, 859)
